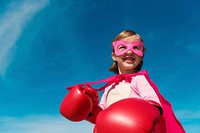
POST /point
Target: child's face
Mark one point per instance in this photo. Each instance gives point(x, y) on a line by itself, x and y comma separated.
point(129, 60)
point(121, 47)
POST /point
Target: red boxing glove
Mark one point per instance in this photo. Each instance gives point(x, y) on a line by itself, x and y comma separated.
point(127, 116)
point(93, 94)
point(78, 103)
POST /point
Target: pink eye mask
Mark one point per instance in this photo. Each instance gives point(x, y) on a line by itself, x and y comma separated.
point(121, 47)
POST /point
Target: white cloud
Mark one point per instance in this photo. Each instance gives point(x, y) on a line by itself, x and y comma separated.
point(58, 124)
point(190, 120)
point(192, 128)
point(188, 44)
point(12, 22)
point(43, 124)
point(188, 114)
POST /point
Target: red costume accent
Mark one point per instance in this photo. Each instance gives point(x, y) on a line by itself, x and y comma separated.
point(171, 123)
point(168, 122)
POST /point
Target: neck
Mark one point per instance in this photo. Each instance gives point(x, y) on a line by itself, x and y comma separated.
point(131, 71)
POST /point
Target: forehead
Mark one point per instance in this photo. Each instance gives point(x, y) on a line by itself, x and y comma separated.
point(131, 38)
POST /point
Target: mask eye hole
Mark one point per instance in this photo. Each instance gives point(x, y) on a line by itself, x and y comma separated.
point(121, 47)
point(137, 48)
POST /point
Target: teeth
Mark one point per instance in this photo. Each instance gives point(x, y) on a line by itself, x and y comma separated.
point(129, 58)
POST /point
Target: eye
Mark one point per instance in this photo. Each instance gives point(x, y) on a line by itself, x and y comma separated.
point(121, 47)
point(137, 48)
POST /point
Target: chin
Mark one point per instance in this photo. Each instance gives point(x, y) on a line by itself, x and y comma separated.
point(129, 66)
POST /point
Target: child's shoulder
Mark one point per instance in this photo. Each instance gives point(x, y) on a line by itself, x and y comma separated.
point(140, 76)
point(143, 72)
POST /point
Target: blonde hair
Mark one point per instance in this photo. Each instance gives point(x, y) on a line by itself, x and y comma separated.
point(122, 35)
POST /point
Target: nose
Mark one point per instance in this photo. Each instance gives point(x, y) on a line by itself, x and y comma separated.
point(129, 52)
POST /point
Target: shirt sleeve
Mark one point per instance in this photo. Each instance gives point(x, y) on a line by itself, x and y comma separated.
point(102, 103)
point(146, 91)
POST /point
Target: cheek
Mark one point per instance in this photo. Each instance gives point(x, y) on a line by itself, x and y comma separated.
point(118, 59)
point(138, 59)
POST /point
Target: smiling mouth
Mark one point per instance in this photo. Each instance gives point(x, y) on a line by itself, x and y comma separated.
point(129, 58)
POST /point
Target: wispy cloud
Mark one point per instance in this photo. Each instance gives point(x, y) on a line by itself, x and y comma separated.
point(12, 23)
point(188, 114)
point(190, 44)
point(58, 124)
point(190, 120)
point(43, 124)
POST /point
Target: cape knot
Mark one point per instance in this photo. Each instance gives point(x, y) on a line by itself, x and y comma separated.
point(122, 77)
point(119, 78)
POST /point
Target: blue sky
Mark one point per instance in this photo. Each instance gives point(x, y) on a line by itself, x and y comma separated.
point(47, 45)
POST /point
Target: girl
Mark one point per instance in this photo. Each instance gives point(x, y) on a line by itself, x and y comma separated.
point(128, 53)
point(129, 83)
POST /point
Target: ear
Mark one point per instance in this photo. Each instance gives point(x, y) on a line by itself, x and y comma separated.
point(113, 56)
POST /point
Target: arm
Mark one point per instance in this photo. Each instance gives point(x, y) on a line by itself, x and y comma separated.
point(147, 92)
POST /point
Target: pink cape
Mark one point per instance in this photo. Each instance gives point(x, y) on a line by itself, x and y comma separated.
point(171, 123)
point(168, 122)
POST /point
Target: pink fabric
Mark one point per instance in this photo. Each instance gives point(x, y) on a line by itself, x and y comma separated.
point(168, 121)
point(139, 87)
point(121, 47)
point(109, 80)
point(171, 122)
